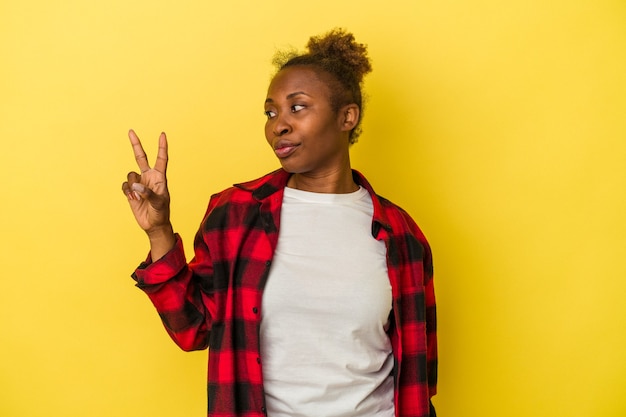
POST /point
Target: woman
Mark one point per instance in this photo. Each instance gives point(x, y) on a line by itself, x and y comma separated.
point(313, 294)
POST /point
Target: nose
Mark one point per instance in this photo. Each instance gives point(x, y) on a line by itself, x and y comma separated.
point(281, 126)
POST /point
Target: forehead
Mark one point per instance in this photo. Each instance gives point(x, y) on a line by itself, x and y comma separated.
point(297, 79)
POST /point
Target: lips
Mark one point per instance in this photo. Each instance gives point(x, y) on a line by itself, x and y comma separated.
point(284, 148)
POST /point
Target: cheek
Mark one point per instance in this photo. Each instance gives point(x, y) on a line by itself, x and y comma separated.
point(268, 132)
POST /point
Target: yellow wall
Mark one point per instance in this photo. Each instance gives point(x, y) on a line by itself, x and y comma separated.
point(499, 125)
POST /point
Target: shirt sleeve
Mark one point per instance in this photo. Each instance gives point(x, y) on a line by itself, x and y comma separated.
point(431, 329)
point(175, 292)
point(150, 273)
point(430, 310)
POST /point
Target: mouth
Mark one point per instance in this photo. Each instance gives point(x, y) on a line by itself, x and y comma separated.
point(283, 148)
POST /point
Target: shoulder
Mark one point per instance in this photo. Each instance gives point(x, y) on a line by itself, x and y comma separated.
point(251, 191)
point(389, 214)
point(399, 219)
point(408, 242)
point(241, 203)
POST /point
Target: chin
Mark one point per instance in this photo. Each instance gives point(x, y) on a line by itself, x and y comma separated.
point(291, 168)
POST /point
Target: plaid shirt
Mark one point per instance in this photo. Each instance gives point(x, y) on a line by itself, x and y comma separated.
point(215, 300)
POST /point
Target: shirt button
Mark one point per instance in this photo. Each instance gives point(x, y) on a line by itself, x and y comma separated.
point(268, 263)
point(258, 360)
point(263, 410)
point(255, 310)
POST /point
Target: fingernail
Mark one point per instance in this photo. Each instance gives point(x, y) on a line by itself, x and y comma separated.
point(138, 187)
point(137, 196)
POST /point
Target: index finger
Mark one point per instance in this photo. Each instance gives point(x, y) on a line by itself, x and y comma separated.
point(140, 154)
point(162, 158)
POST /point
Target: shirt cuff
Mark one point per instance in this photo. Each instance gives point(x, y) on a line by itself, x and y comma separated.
point(150, 273)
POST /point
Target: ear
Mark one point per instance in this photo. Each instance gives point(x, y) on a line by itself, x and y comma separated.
point(349, 117)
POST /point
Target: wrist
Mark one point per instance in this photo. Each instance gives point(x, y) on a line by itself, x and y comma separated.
point(164, 232)
point(162, 240)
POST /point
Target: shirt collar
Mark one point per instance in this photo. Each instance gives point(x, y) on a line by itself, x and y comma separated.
point(379, 218)
point(269, 184)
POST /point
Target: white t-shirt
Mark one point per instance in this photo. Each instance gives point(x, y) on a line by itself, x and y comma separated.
point(325, 312)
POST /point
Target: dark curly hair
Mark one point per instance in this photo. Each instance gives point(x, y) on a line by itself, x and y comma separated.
point(339, 55)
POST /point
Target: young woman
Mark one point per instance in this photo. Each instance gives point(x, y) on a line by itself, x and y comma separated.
point(313, 294)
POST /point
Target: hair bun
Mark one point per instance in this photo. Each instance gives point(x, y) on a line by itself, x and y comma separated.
point(340, 45)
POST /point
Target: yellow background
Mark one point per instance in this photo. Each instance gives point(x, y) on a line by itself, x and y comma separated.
point(499, 125)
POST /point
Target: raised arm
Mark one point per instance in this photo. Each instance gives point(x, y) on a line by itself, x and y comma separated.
point(149, 197)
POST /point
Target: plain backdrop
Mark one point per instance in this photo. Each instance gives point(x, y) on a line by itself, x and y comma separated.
point(500, 126)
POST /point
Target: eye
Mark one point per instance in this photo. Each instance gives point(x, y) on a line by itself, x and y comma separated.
point(269, 114)
point(296, 108)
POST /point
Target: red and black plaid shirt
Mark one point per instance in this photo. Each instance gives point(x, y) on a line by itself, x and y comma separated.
point(215, 300)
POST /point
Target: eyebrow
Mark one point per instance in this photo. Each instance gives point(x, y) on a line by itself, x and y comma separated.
point(289, 96)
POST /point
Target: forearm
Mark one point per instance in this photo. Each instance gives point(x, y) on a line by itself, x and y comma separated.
point(181, 307)
point(172, 286)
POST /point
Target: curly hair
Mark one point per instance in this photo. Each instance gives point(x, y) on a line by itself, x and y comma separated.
point(338, 54)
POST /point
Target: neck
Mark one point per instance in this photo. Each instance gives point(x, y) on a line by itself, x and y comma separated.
point(340, 182)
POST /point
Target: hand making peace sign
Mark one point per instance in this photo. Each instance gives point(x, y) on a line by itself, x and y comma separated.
point(148, 195)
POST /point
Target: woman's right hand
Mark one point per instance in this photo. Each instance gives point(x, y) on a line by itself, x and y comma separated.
point(149, 197)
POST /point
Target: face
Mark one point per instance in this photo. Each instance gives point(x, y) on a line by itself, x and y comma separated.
point(306, 134)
